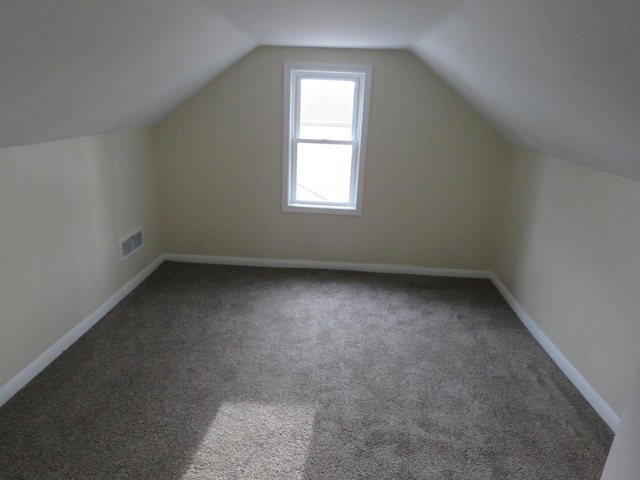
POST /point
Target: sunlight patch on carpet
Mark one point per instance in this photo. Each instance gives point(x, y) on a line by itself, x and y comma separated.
point(253, 440)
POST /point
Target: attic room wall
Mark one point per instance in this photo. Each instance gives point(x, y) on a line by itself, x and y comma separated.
point(431, 178)
point(569, 255)
point(63, 207)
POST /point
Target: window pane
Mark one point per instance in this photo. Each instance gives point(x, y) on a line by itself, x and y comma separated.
point(326, 109)
point(323, 173)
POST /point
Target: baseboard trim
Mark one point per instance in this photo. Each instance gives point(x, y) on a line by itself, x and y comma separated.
point(324, 265)
point(14, 385)
point(588, 392)
point(34, 368)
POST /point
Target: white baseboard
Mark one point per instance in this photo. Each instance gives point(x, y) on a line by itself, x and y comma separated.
point(322, 265)
point(14, 385)
point(588, 392)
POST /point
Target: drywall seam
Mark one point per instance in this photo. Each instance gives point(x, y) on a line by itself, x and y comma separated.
point(588, 392)
point(27, 374)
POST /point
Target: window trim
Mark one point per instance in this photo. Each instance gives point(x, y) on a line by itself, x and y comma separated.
point(293, 73)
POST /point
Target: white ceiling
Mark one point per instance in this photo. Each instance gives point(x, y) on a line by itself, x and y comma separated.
point(336, 23)
point(561, 77)
point(77, 67)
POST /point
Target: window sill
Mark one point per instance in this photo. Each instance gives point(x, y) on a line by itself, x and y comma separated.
point(325, 209)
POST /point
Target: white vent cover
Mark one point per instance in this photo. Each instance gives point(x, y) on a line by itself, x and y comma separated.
point(130, 243)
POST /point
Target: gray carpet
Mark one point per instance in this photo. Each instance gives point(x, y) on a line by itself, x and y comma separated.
point(232, 373)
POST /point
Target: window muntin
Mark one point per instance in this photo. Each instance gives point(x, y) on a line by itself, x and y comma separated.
point(326, 108)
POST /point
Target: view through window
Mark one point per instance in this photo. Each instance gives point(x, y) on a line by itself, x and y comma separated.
point(324, 152)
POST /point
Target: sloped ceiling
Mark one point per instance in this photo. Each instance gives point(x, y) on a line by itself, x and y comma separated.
point(561, 77)
point(77, 67)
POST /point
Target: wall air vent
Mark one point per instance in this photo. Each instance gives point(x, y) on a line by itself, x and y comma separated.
point(130, 243)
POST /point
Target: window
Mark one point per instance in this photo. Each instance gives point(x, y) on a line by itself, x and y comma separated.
point(325, 130)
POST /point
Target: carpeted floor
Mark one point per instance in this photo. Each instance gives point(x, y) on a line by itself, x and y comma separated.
point(211, 372)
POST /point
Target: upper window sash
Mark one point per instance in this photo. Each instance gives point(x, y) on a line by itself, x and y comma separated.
point(356, 78)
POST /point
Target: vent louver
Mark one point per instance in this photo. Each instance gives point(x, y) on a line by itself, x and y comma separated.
point(130, 243)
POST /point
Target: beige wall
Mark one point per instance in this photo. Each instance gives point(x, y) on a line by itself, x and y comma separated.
point(623, 462)
point(63, 207)
point(570, 255)
point(430, 187)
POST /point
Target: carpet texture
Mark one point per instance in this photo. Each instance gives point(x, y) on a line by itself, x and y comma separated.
point(215, 372)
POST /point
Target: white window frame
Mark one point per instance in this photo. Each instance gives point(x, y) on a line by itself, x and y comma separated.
point(294, 72)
